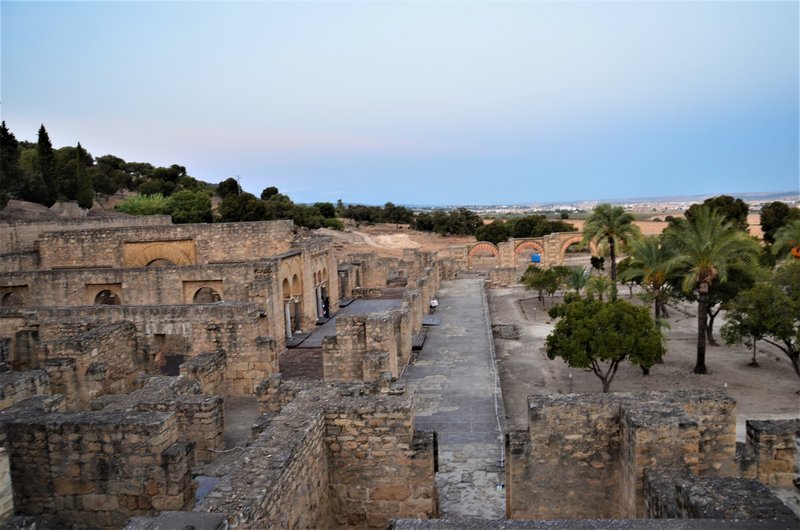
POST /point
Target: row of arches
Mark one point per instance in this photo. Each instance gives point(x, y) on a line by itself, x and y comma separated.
point(484, 254)
point(203, 295)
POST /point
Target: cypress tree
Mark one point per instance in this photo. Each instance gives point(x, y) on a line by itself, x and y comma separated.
point(84, 192)
point(47, 167)
point(9, 162)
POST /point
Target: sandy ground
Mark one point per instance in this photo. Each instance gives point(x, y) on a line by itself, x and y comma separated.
point(389, 240)
point(768, 391)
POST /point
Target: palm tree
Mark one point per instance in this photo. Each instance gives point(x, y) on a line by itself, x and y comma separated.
point(787, 238)
point(576, 278)
point(706, 247)
point(652, 261)
point(613, 224)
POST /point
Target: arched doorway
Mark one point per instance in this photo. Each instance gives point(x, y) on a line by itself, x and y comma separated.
point(482, 256)
point(525, 253)
point(11, 299)
point(206, 295)
point(106, 297)
point(575, 254)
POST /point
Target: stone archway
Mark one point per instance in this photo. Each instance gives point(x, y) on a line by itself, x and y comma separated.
point(159, 253)
point(579, 259)
point(106, 297)
point(206, 295)
point(524, 251)
point(12, 299)
point(482, 255)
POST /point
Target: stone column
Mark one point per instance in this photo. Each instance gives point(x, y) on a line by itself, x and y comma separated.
point(287, 315)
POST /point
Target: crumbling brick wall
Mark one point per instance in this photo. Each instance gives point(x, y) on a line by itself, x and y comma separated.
point(772, 447)
point(208, 369)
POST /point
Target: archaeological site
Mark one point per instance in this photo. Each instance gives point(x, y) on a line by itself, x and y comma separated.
point(259, 375)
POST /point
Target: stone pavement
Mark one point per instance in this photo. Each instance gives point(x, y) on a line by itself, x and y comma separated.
point(456, 393)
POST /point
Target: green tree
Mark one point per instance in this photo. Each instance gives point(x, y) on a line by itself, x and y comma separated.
point(187, 206)
point(495, 232)
point(47, 166)
point(544, 280)
point(787, 239)
point(280, 206)
point(601, 335)
point(327, 209)
point(108, 174)
point(612, 224)
point(775, 216)
point(268, 192)
point(84, 192)
point(599, 287)
point(242, 207)
point(229, 186)
point(770, 311)
point(67, 161)
point(706, 247)
point(307, 216)
point(10, 172)
point(576, 279)
point(734, 210)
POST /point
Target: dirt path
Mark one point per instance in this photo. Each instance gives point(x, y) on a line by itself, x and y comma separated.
point(765, 392)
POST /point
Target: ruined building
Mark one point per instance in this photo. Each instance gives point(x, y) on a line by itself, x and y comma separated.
point(126, 344)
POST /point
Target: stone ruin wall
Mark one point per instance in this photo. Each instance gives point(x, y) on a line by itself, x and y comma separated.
point(239, 330)
point(771, 452)
point(19, 386)
point(222, 242)
point(95, 468)
point(6, 491)
point(584, 455)
point(349, 355)
point(21, 236)
point(331, 460)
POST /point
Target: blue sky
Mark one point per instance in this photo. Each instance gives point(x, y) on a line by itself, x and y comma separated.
point(420, 102)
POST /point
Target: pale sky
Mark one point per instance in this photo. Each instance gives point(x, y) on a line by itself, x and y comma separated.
point(420, 102)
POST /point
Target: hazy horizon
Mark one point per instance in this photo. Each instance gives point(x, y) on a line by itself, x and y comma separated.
point(420, 103)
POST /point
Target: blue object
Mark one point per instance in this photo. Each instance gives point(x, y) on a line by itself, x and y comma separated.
point(536, 258)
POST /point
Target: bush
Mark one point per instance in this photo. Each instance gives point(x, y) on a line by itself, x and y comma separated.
point(143, 205)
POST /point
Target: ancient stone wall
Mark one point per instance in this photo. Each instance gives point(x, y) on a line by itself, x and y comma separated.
point(208, 369)
point(97, 468)
point(331, 461)
point(195, 243)
point(241, 330)
point(18, 386)
point(343, 355)
point(21, 236)
point(772, 445)
point(103, 360)
point(584, 455)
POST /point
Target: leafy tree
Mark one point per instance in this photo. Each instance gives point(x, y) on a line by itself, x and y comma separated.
point(706, 247)
point(327, 209)
point(47, 166)
point(598, 263)
point(600, 286)
point(280, 206)
point(10, 172)
point(774, 216)
point(424, 222)
point(536, 226)
point(108, 174)
point(187, 206)
point(787, 239)
point(770, 311)
point(307, 216)
point(242, 207)
point(614, 225)
point(628, 277)
point(495, 232)
point(268, 192)
point(397, 214)
point(229, 186)
point(734, 210)
point(544, 280)
point(601, 335)
point(67, 161)
point(143, 205)
point(84, 192)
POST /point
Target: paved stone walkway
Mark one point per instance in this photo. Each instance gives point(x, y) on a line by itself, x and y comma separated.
point(456, 393)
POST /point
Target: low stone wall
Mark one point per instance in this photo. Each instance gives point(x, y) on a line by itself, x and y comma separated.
point(503, 276)
point(772, 446)
point(584, 455)
point(200, 418)
point(97, 468)
point(329, 460)
point(240, 330)
point(683, 495)
point(19, 386)
point(208, 369)
point(103, 360)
